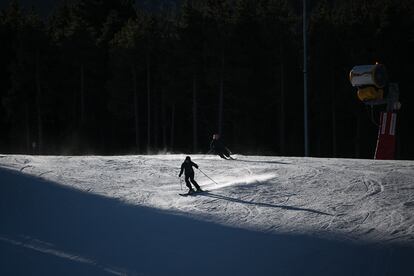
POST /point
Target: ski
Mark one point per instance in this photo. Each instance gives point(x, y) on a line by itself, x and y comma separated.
point(193, 193)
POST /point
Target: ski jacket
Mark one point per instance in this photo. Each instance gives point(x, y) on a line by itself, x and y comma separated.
point(217, 146)
point(187, 167)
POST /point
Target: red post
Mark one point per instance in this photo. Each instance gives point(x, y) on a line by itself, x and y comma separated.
point(386, 136)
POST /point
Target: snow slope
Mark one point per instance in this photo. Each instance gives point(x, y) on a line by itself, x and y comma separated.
point(95, 215)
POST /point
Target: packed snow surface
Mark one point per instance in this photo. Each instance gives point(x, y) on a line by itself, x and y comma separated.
point(261, 215)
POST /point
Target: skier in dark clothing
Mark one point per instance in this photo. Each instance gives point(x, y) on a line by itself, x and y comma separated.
point(187, 167)
point(217, 147)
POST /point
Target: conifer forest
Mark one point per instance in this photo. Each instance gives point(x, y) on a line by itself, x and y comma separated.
point(134, 77)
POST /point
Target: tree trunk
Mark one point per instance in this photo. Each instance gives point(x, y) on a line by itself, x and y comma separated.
point(148, 104)
point(195, 134)
point(358, 138)
point(398, 147)
point(38, 105)
point(82, 94)
point(29, 148)
point(163, 120)
point(81, 128)
point(156, 120)
point(282, 102)
point(135, 91)
point(221, 96)
point(172, 127)
point(333, 111)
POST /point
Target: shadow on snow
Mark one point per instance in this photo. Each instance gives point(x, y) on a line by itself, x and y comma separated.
point(49, 229)
point(261, 161)
point(260, 204)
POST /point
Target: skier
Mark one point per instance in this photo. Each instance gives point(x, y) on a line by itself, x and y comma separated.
point(218, 148)
point(187, 167)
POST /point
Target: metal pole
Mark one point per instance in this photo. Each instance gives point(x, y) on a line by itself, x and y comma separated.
point(207, 176)
point(305, 79)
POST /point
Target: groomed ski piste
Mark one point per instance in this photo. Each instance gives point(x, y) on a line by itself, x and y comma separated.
point(122, 215)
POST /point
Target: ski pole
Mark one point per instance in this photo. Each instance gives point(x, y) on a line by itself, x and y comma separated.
point(208, 176)
point(181, 183)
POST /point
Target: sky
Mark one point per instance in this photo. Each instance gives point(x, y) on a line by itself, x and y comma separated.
point(46, 6)
point(43, 6)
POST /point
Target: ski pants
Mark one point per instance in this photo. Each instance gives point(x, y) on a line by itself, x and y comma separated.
point(188, 178)
point(224, 154)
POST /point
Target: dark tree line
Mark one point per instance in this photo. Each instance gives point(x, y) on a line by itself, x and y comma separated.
point(107, 77)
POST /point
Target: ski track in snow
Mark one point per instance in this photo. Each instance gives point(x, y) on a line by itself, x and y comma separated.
point(341, 198)
point(47, 248)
